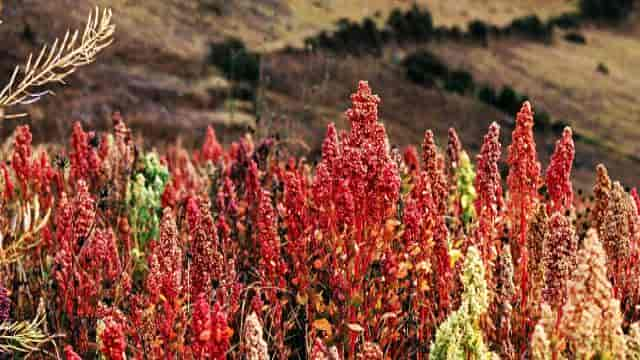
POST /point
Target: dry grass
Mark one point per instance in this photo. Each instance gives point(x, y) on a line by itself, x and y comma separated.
point(563, 80)
point(499, 12)
point(271, 25)
point(155, 73)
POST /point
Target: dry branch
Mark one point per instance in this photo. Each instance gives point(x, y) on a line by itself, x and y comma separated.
point(54, 63)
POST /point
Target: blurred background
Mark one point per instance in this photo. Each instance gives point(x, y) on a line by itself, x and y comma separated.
point(285, 68)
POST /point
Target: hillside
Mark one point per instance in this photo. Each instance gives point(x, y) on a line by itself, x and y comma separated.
point(157, 74)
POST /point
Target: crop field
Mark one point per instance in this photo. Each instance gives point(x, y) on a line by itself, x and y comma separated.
point(112, 248)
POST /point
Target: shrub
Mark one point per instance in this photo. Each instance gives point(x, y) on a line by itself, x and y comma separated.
point(420, 23)
point(459, 81)
point(479, 31)
point(455, 32)
point(397, 22)
point(235, 60)
point(576, 38)
point(509, 100)
point(531, 26)
point(566, 21)
point(348, 37)
point(415, 24)
point(488, 95)
point(603, 68)
point(351, 37)
point(372, 38)
point(423, 67)
point(218, 7)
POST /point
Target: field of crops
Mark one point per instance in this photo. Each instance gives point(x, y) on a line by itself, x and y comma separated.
point(112, 250)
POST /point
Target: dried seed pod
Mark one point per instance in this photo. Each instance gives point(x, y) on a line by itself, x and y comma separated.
point(560, 255)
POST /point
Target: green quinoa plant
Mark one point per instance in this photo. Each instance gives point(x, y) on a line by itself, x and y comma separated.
point(144, 197)
point(459, 336)
point(467, 192)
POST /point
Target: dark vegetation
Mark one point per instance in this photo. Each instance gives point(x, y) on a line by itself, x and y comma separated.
point(238, 64)
point(566, 21)
point(531, 27)
point(426, 69)
point(235, 60)
point(603, 69)
point(416, 26)
point(351, 37)
point(607, 10)
point(576, 38)
point(218, 7)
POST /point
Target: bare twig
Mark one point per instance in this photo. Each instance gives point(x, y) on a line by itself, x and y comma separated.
point(24, 336)
point(54, 63)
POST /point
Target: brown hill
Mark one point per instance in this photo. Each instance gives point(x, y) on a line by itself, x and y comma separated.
point(157, 74)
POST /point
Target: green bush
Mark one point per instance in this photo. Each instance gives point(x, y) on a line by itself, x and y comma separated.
point(488, 95)
point(459, 81)
point(576, 38)
point(425, 68)
point(235, 61)
point(479, 31)
point(602, 68)
point(566, 21)
point(415, 24)
point(351, 37)
point(531, 26)
point(397, 22)
point(420, 23)
point(509, 100)
point(218, 7)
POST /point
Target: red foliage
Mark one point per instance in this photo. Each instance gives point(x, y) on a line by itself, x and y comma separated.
point(410, 157)
point(361, 251)
point(113, 342)
point(211, 149)
point(84, 158)
point(273, 268)
point(523, 181)
point(204, 246)
point(558, 176)
point(489, 191)
point(211, 334)
point(364, 179)
point(69, 354)
point(21, 159)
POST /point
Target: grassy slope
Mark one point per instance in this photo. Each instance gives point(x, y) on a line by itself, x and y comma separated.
point(563, 80)
point(156, 73)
